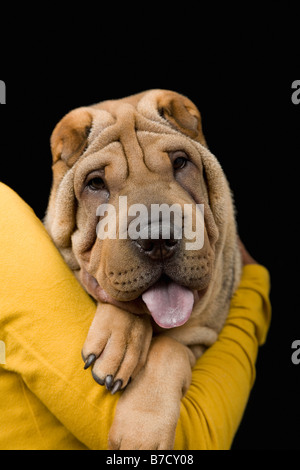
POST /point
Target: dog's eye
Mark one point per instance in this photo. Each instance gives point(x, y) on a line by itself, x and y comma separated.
point(96, 184)
point(179, 160)
point(179, 163)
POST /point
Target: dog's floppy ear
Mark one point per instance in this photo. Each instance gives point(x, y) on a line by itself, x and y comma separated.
point(68, 141)
point(182, 114)
point(69, 137)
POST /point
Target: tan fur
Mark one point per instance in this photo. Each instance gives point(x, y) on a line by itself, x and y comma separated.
point(131, 141)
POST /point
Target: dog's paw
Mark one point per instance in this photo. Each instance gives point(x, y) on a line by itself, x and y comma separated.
point(134, 431)
point(117, 346)
point(143, 424)
point(147, 412)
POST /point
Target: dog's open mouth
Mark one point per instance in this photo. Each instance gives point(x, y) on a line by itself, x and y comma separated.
point(169, 303)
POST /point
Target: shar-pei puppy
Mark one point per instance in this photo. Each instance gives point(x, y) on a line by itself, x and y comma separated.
point(162, 292)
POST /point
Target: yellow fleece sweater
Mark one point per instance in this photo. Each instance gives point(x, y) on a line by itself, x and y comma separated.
point(47, 400)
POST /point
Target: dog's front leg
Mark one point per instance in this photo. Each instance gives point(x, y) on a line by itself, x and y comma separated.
point(148, 410)
point(117, 345)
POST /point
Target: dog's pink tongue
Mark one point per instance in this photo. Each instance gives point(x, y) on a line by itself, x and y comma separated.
point(169, 304)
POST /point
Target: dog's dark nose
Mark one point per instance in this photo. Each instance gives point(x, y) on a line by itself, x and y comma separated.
point(158, 248)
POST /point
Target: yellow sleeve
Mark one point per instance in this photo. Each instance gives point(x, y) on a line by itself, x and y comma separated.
point(49, 402)
point(44, 319)
point(223, 377)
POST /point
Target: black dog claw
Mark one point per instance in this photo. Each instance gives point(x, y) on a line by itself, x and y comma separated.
point(109, 382)
point(116, 386)
point(89, 361)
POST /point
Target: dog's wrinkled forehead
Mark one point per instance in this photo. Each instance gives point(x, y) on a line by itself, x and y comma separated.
point(152, 111)
point(150, 124)
point(94, 127)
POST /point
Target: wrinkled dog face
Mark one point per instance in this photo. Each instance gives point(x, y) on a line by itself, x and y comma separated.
point(147, 150)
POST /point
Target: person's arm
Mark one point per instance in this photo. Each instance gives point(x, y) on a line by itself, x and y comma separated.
point(223, 377)
point(45, 316)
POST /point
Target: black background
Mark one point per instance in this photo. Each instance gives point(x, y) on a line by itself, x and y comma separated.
point(242, 86)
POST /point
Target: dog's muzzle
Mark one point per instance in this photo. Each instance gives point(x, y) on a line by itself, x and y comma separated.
point(158, 241)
